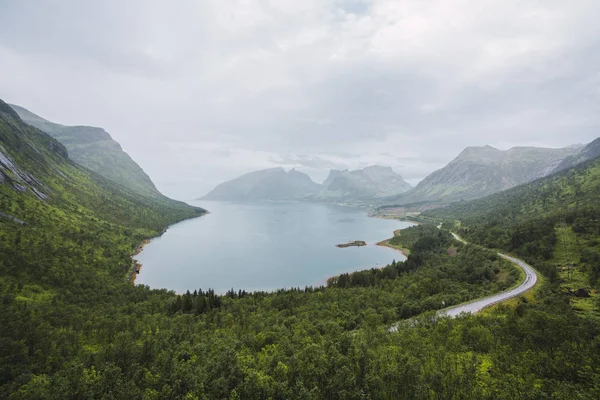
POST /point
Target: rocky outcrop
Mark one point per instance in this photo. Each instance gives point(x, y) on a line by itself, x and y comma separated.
point(20, 180)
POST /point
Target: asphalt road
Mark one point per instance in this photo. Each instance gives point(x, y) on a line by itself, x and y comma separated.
point(477, 305)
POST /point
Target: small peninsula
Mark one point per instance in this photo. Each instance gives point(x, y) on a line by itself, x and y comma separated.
point(356, 243)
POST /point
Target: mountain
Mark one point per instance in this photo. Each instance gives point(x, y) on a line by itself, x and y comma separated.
point(267, 184)
point(361, 185)
point(37, 167)
point(27, 156)
point(563, 192)
point(95, 149)
point(552, 221)
point(589, 152)
point(481, 171)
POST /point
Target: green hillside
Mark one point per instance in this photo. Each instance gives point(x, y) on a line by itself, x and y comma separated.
point(96, 150)
point(570, 196)
point(72, 327)
point(553, 222)
point(58, 200)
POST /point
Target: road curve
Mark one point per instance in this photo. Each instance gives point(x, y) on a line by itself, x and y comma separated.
point(477, 305)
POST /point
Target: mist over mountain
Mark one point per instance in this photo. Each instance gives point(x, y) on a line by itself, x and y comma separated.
point(267, 184)
point(96, 150)
point(361, 185)
point(480, 171)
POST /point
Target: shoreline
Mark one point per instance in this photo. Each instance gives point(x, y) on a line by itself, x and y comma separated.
point(394, 218)
point(136, 266)
point(386, 243)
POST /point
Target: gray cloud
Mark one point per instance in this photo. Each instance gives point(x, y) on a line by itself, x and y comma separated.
point(203, 91)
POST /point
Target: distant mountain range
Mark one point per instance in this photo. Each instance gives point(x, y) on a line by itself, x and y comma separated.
point(481, 171)
point(476, 172)
point(95, 149)
point(340, 186)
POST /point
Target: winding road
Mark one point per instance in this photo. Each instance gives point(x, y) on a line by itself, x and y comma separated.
point(479, 304)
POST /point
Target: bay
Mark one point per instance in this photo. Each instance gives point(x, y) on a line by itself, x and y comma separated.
point(264, 246)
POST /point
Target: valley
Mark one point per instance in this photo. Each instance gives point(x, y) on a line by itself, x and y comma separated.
point(299, 200)
point(72, 324)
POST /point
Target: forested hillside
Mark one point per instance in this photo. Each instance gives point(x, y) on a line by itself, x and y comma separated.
point(524, 219)
point(553, 222)
point(71, 326)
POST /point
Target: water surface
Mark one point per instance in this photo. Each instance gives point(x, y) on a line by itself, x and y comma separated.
point(264, 246)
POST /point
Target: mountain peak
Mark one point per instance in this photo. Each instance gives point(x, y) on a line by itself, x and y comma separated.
point(378, 168)
point(479, 152)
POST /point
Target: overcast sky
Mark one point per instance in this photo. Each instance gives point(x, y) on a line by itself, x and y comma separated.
point(198, 92)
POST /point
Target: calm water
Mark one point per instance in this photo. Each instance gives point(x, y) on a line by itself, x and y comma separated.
point(264, 246)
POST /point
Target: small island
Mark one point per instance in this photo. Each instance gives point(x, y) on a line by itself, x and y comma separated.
point(357, 243)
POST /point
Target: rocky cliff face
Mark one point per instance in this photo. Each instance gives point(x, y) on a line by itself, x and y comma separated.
point(268, 184)
point(481, 171)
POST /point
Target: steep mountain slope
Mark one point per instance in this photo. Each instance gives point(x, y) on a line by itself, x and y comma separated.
point(553, 222)
point(559, 193)
point(591, 151)
point(36, 169)
point(480, 171)
point(267, 184)
point(96, 150)
point(361, 185)
point(66, 239)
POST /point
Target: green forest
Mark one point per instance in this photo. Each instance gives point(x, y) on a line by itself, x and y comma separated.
point(73, 327)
